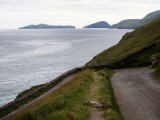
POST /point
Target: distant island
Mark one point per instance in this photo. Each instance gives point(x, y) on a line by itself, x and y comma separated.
point(101, 24)
point(45, 26)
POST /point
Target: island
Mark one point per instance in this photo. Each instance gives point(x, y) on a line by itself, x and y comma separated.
point(45, 26)
point(101, 24)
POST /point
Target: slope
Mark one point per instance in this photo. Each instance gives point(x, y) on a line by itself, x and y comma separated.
point(145, 39)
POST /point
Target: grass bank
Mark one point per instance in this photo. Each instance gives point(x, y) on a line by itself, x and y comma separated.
point(107, 97)
point(71, 101)
point(29, 99)
point(67, 103)
point(156, 73)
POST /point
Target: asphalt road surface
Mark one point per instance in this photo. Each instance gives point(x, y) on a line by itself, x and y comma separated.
point(137, 93)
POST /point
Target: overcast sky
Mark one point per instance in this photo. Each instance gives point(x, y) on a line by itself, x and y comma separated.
point(17, 13)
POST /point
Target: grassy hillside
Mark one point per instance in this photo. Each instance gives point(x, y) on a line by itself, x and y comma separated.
point(126, 24)
point(131, 43)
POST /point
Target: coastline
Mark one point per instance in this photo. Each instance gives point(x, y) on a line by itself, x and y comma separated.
point(32, 95)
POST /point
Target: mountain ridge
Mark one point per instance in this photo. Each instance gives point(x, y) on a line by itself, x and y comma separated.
point(136, 23)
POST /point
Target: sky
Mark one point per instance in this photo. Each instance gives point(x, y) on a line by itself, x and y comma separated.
point(18, 13)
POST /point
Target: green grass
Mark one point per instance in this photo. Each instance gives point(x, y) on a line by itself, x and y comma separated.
point(29, 99)
point(156, 73)
point(67, 103)
point(70, 102)
point(107, 99)
point(131, 43)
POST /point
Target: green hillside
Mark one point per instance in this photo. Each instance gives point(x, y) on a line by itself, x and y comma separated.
point(131, 43)
point(136, 23)
point(150, 17)
point(126, 24)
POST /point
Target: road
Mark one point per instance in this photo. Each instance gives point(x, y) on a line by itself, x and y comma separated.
point(13, 114)
point(137, 94)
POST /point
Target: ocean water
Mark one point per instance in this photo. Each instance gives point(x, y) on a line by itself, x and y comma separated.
point(32, 57)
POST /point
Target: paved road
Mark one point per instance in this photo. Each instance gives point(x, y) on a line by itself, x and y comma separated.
point(13, 114)
point(137, 94)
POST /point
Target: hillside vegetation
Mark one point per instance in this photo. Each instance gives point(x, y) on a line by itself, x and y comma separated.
point(126, 24)
point(131, 43)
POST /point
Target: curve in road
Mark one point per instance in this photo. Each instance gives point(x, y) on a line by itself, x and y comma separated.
point(137, 93)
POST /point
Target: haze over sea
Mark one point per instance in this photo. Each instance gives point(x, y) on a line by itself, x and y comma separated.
point(32, 57)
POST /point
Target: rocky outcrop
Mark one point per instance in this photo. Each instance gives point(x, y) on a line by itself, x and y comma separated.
point(155, 60)
point(95, 104)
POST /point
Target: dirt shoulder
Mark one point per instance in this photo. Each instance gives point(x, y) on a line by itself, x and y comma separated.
point(137, 94)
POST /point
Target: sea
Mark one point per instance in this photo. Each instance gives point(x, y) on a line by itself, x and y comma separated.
point(32, 57)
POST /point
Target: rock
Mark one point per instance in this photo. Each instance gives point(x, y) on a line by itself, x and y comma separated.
point(96, 104)
point(155, 60)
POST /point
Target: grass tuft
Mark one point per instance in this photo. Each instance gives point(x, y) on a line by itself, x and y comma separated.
point(156, 73)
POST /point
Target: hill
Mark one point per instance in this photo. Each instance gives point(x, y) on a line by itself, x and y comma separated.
point(45, 26)
point(101, 24)
point(136, 23)
point(150, 17)
point(135, 48)
point(126, 24)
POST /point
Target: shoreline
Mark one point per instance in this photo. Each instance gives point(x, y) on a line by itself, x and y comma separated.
point(32, 95)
